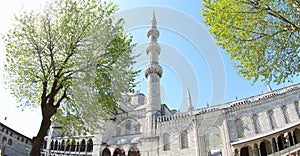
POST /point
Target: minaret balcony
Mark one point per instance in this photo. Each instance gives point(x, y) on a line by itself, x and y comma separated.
point(153, 68)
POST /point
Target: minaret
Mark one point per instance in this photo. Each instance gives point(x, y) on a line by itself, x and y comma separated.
point(189, 101)
point(153, 73)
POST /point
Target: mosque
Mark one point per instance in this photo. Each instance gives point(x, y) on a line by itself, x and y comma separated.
point(261, 125)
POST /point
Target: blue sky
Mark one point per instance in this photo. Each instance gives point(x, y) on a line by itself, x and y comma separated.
point(189, 57)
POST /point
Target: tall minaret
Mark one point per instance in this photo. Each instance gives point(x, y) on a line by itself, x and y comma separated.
point(153, 73)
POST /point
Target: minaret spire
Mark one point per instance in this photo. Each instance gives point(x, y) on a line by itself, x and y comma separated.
point(189, 101)
point(153, 73)
point(153, 21)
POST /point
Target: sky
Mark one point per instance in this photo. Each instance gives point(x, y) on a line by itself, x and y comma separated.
point(189, 57)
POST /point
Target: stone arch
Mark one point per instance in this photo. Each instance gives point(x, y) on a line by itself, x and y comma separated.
point(119, 152)
point(296, 134)
point(52, 145)
point(265, 147)
point(274, 145)
point(68, 145)
point(128, 126)
point(166, 141)
point(77, 146)
point(213, 139)
point(106, 152)
point(56, 145)
point(236, 152)
point(90, 145)
point(184, 139)
point(291, 140)
point(73, 145)
point(134, 151)
point(280, 142)
point(246, 151)
point(82, 145)
point(255, 149)
point(63, 145)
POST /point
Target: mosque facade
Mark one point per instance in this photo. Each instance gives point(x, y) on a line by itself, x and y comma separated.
point(261, 125)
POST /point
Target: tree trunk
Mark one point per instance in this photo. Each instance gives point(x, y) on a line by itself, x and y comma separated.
point(39, 139)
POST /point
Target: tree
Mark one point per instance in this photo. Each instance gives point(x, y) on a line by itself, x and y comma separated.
point(261, 36)
point(73, 60)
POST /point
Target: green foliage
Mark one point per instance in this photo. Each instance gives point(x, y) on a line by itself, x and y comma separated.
point(261, 37)
point(73, 55)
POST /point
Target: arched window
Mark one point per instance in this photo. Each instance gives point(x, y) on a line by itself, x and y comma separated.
point(82, 146)
point(118, 131)
point(285, 114)
point(272, 119)
point(128, 127)
point(239, 127)
point(166, 141)
point(256, 124)
point(9, 142)
point(137, 128)
point(90, 145)
point(63, 145)
point(184, 139)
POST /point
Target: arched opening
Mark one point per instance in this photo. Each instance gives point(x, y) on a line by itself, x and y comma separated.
point(265, 148)
point(245, 151)
point(119, 152)
point(82, 146)
point(184, 139)
point(73, 145)
point(90, 145)
point(68, 145)
point(236, 152)
point(128, 127)
point(296, 136)
point(134, 151)
point(106, 152)
point(63, 144)
point(166, 142)
point(291, 142)
point(255, 150)
point(55, 145)
point(213, 140)
point(52, 145)
point(274, 145)
point(280, 143)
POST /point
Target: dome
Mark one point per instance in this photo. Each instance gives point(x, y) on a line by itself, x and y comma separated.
point(135, 140)
point(123, 141)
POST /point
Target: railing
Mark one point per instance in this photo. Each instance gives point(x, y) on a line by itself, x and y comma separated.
point(287, 151)
point(259, 97)
point(173, 117)
point(243, 101)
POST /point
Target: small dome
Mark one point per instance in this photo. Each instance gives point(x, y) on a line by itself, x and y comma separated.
point(123, 141)
point(111, 142)
point(135, 140)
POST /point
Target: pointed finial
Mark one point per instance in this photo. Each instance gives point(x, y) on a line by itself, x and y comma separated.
point(190, 106)
point(153, 21)
point(153, 15)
